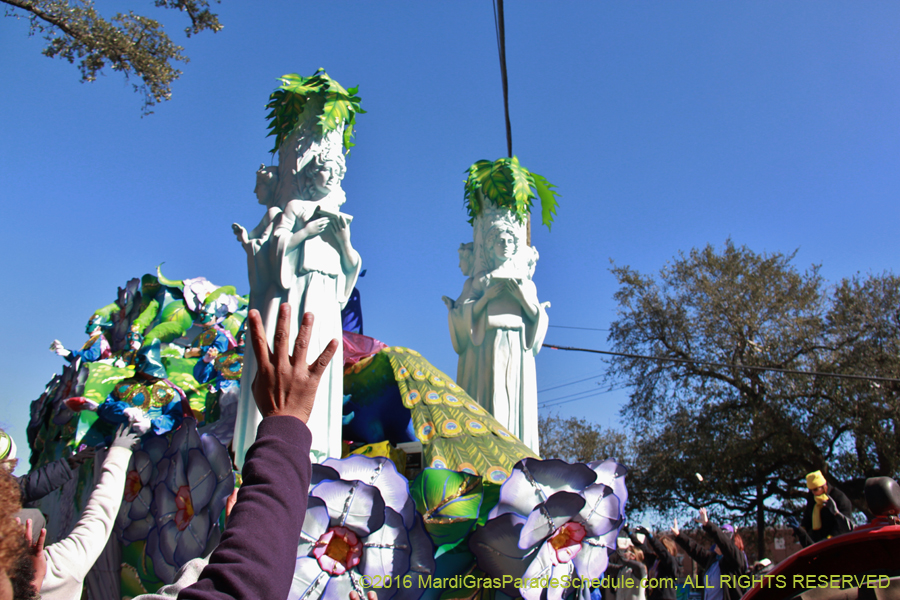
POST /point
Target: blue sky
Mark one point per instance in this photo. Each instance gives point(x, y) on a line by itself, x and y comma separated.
point(665, 126)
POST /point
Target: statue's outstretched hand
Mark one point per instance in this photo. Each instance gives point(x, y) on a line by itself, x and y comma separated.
point(285, 385)
point(241, 233)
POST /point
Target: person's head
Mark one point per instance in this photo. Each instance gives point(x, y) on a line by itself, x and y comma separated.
point(12, 542)
point(632, 553)
point(816, 483)
point(266, 178)
point(467, 258)
point(501, 244)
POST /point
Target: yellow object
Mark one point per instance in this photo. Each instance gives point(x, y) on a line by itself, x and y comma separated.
point(817, 517)
point(384, 449)
point(815, 480)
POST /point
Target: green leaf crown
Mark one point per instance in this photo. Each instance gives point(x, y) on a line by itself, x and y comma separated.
point(288, 103)
point(509, 185)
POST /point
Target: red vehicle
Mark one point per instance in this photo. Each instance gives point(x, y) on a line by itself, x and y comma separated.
point(864, 563)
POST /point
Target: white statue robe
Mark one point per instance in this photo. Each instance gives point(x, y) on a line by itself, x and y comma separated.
point(459, 319)
point(309, 277)
point(506, 342)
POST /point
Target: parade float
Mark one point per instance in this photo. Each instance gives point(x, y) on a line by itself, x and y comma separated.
point(432, 487)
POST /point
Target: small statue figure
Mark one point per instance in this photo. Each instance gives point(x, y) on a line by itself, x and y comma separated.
point(467, 365)
point(508, 325)
point(255, 242)
point(96, 348)
point(310, 264)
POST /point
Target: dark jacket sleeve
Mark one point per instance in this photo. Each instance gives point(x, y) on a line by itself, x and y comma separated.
point(256, 556)
point(668, 564)
point(697, 552)
point(40, 482)
point(733, 561)
point(842, 509)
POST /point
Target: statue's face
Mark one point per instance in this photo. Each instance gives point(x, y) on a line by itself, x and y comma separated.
point(505, 246)
point(464, 259)
point(323, 178)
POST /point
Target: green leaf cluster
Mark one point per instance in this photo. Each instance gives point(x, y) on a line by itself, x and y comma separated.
point(510, 185)
point(288, 103)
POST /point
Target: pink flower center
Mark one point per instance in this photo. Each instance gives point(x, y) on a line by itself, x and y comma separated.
point(133, 486)
point(338, 550)
point(185, 507)
point(566, 541)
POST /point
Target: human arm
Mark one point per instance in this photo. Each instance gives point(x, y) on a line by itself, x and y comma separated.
point(697, 552)
point(70, 559)
point(732, 558)
point(257, 553)
point(40, 482)
point(840, 507)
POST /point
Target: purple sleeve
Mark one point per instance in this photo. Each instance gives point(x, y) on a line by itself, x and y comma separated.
point(256, 556)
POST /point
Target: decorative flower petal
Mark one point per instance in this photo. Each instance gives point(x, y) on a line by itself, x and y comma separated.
point(549, 516)
point(175, 476)
point(140, 462)
point(138, 529)
point(192, 540)
point(543, 566)
point(386, 552)
point(339, 588)
point(612, 474)
point(352, 504)
point(140, 506)
point(322, 473)
point(496, 548)
point(315, 523)
point(602, 510)
point(200, 478)
point(381, 473)
point(421, 561)
point(185, 438)
point(309, 579)
point(155, 446)
point(533, 481)
point(168, 542)
point(593, 559)
point(165, 507)
point(165, 571)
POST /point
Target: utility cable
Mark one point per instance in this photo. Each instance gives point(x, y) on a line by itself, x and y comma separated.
point(725, 365)
point(500, 29)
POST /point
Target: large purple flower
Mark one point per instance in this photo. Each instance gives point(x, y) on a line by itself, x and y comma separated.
point(361, 528)
point(189, 493)
point(135, 520)
point(553, 520)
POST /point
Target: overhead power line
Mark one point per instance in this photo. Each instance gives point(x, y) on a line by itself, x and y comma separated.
point(726, 365)
point(500, 27)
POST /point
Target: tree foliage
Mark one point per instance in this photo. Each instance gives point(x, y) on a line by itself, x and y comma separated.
point(578, 440)
point(716, 410)
point(131, 44)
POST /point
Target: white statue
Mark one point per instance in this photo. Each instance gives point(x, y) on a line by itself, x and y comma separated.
point(304, 257)
point(499, 320)
point(460, 335)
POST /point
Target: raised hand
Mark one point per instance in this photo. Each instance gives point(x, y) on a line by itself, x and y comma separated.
point(285, 385)
point(125, 438)
point(79, 458)
point(703, 518)
point(675, 530)
point(36, 551)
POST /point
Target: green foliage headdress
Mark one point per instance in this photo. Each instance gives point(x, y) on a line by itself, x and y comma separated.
point(510, 185)
point(289, 102)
